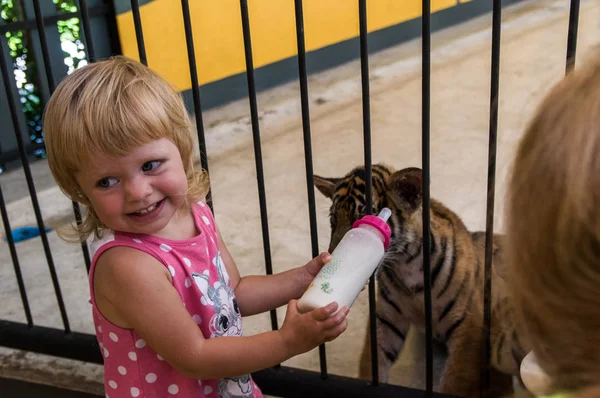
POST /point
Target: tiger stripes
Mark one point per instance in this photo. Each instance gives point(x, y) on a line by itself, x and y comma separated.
point(457, 276)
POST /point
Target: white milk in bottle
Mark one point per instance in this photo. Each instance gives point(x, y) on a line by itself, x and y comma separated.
point(353, 262)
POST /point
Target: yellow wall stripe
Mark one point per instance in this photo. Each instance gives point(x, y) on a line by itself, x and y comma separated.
point(217, 31)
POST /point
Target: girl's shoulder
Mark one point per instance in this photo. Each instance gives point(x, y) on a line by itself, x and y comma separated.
point(204, 215)
point(203, 208)
point(110, 239)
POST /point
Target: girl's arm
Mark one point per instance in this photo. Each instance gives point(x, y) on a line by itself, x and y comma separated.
point(133, 290)
point(259, 293)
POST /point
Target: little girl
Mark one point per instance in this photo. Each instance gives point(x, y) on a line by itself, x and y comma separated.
point(553, 232)
point(166, 294)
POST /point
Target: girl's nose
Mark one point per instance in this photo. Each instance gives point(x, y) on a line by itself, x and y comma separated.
point(137, 189)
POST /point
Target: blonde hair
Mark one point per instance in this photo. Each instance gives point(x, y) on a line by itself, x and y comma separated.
point(553, 232)
point(110, 107)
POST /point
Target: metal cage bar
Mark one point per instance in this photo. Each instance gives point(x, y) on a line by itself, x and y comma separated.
point(366, 109)
point(12, 104)
point(425, 144)
point(308, 149)
point(189, 40)
point(139, 33)
point(572, 35)
point(260, 179)
point(50, 341)
point(279, 381)
point(39, 18)
point(298, 383)
point(491, 183)
point(87, 30)
point(15, 260)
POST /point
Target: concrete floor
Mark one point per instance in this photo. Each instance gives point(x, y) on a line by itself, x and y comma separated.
point(533, 58)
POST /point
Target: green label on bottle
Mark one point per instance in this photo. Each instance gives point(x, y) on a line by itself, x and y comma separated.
point(327, 273)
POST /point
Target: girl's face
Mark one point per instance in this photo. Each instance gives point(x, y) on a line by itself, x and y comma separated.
point(140, 192)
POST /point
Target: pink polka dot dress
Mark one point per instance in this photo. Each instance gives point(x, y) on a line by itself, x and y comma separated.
point(131, 367)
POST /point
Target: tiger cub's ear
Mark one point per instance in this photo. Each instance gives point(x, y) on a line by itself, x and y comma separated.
point(405, 188)
point(326, 185)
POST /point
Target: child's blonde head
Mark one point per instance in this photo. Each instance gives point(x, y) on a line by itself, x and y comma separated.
point(108, 108)
point(553, 231)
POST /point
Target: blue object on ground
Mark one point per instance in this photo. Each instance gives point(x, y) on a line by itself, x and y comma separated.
point(25, 233)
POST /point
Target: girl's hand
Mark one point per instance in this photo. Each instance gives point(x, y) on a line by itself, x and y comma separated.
point(303, 332)
point(313, 267)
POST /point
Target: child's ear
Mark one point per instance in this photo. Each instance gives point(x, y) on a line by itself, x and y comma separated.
point(326, 185)
point(405, 188)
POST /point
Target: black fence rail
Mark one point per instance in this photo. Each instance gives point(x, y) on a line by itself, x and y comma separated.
point(278, 380)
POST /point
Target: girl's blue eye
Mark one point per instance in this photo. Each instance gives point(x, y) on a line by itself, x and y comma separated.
point(149, 166)
point(107, 182)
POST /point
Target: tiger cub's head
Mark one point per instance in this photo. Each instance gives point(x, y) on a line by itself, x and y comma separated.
point(400, 191)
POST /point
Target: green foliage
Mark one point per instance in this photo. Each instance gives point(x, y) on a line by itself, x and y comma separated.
point(70, 36)
point(25, 66)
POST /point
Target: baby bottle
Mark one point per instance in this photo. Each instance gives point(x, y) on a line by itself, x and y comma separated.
point(353, 261)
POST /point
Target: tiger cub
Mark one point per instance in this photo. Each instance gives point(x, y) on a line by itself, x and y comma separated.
point(457, 272)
